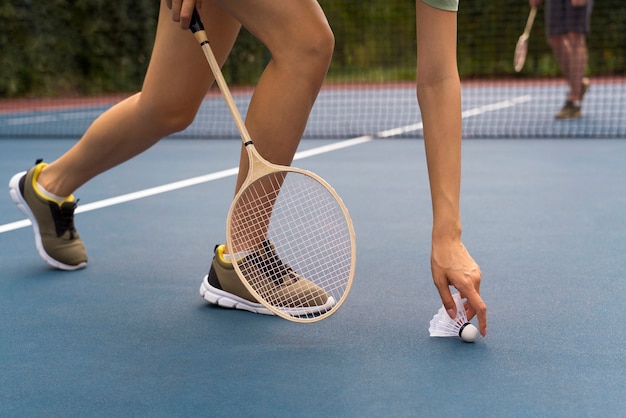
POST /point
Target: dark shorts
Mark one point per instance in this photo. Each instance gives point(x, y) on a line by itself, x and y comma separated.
point(562, 17)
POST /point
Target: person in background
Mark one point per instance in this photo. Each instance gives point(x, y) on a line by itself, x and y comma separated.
point(567, 26)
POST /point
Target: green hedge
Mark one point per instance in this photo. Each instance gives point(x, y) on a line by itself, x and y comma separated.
point(68, 47)
point(54, 47)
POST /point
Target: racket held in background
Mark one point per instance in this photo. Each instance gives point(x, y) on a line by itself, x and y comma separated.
point(521, 48)
point(288, 232)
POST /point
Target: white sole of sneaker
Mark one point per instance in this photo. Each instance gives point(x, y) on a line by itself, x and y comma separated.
point(228, 300)
point(18, 199)
point(310, 310)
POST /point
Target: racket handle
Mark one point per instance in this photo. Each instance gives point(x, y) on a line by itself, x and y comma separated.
point(197, 28)
point(196, 24)
point(529, 21)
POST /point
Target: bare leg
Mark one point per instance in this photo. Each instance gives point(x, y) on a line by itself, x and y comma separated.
point(578, 64)
point(561, 49)
point(570, 51)
point(301, 43)
point(168, 102)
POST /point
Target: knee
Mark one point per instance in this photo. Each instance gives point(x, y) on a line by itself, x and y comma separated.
point(313, 50)
point(168, 117)
point(322, 46)
point(175, 120)
point(557, 42)
point(576, 39)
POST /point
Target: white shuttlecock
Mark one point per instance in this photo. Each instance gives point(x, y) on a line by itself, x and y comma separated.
point(443, 326)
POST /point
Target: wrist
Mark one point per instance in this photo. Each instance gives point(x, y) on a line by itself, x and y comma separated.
point(447, 231)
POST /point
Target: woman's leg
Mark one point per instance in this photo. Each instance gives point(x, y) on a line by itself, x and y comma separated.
point(301, 43)
point(177, 79)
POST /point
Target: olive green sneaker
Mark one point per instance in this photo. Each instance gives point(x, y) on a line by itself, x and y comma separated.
point(223, 287)
point(56, 238)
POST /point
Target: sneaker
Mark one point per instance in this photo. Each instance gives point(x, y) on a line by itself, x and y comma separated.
point(223, 287)
point(569, 111)
point(56, 238)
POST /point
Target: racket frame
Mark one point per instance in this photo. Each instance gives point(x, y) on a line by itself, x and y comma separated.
point(521, 48)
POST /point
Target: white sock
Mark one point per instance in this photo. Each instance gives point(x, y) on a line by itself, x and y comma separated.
point(242, 254)
point(50, 196)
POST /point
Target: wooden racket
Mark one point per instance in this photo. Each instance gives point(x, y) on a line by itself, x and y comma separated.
point(288, 233)
point(521, 48)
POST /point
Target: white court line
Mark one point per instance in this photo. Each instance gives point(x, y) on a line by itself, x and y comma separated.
point(299, 155)
point(466, 114)
point(30, 120)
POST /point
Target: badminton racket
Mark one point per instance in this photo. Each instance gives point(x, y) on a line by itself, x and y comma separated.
point(521, 48)
point(288, 233)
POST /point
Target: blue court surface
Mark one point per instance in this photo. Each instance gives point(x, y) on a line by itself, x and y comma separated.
point(130, 335)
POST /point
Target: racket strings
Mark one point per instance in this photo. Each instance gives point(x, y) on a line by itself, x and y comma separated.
point(301, 241)
point(271, 265)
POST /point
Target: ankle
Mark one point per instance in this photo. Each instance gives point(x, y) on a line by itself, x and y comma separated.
point(47, 183)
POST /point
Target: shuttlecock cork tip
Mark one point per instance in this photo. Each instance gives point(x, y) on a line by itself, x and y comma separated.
point(468, 333)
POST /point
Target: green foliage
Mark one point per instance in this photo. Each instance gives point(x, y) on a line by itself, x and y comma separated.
point(59, 47)
point(246, 61)
point(66, 47)
point(374, 39)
